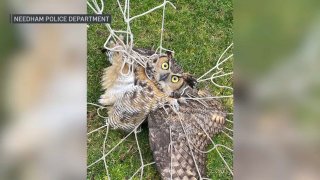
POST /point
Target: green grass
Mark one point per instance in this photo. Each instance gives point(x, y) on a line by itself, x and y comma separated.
point(198, 32)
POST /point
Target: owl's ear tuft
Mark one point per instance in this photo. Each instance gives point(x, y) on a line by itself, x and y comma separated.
point(190, 80)
point(170, 54)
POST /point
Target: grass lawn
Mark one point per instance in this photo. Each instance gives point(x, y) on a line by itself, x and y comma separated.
point(198, 32)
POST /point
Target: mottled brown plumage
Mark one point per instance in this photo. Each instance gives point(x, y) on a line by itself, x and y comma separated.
point(198, 121)
point(177, 138)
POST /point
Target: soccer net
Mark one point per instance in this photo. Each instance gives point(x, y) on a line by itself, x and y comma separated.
point(221, 148)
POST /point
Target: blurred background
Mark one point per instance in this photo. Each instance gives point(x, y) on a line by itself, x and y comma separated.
point(277, 105)
point(43, 94)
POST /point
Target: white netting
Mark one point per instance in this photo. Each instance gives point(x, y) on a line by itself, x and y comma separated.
point(131, 57)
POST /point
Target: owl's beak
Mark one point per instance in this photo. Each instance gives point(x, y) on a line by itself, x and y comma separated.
point(163, 77)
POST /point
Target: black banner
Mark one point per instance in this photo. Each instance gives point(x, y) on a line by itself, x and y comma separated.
point(59, 18)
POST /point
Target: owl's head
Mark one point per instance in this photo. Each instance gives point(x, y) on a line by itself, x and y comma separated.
point(169, 75)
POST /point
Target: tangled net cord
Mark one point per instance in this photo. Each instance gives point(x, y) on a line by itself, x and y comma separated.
point(130, 57)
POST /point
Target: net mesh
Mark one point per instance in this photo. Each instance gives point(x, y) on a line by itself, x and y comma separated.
point(219, 148)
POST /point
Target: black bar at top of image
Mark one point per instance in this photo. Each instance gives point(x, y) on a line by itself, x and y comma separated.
point(59, 18)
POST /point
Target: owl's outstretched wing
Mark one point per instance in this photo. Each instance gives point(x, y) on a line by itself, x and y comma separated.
point(179, 140)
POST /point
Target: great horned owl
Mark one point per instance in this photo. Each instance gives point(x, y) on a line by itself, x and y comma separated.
point(153, 88)
point(178, 139)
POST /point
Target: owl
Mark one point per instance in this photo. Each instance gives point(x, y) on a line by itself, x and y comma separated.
point(178, 139)
point(153, 88)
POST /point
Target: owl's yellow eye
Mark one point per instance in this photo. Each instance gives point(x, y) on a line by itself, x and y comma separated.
point(174, 79)
point(165, 66)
